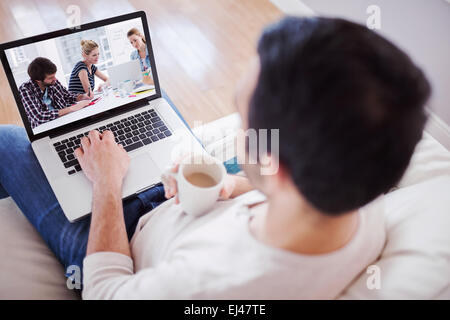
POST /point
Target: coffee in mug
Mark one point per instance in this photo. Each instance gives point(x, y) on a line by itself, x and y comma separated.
point(201, 180)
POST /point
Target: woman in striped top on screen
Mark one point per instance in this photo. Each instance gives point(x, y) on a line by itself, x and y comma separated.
point(82, 78)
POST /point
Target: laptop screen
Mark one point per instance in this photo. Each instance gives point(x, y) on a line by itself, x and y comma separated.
point(68, 78)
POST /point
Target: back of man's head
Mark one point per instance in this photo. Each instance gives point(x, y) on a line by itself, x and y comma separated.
point(348, 103)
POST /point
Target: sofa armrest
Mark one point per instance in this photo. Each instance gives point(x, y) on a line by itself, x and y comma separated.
point(28, 269)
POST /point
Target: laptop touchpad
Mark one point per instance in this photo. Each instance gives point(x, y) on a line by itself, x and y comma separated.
point(141, 173)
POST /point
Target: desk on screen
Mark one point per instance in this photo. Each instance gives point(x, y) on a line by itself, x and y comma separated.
point(109, 102)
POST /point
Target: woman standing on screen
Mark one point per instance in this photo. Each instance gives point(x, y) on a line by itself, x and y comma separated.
point(137, 40)
point(82, 78)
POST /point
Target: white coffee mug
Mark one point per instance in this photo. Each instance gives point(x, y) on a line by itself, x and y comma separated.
point(196, 200)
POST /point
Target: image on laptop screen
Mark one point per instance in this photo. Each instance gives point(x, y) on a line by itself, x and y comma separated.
point(71, 77)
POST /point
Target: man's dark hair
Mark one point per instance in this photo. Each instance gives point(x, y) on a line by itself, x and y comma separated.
point(40, 67)
point(348, 103)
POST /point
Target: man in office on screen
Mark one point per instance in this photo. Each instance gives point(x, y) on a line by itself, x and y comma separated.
point(44, 97)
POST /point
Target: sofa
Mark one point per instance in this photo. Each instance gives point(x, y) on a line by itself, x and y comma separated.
point(414, 264)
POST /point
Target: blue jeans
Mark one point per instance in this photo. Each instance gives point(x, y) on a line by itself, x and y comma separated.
point(22, 178)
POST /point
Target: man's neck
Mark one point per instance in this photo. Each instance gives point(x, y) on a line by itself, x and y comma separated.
point(297, 227)
point(41, 85)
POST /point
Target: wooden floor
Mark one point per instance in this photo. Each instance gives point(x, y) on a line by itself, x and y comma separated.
point(201, 46)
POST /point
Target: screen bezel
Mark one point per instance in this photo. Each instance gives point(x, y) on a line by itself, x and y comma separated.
point(94, 118)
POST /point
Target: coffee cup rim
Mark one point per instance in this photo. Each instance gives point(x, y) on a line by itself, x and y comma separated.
point(216, 161)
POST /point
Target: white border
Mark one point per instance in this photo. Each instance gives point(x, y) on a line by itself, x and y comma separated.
point(438, 129)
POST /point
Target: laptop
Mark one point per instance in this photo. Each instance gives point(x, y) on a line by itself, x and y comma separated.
point(146, 125)
point(127, 71)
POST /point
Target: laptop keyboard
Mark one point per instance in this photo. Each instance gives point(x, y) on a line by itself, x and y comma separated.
point(132, 132)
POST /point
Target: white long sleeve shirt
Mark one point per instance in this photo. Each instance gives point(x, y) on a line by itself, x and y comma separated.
point(177, 256)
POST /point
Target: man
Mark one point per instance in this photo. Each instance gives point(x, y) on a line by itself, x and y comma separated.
point(349, 106)
point(44, 97)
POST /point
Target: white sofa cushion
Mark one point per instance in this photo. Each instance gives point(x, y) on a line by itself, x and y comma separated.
point(430, 160)
point(415, 263)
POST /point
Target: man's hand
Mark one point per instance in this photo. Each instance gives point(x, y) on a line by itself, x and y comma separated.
point(79, 105)
point(171, 189)
point(104, 162)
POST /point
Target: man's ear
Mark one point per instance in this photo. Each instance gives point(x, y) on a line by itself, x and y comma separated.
point(269, 164)
point(273, 171)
